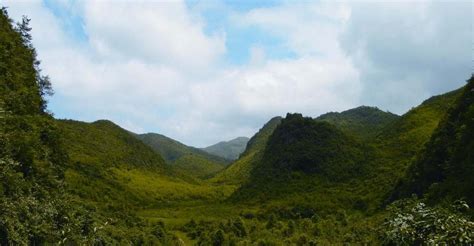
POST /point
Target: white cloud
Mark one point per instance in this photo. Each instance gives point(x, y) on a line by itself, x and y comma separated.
point(156, 32)
point(309, 28)
point(407, 51)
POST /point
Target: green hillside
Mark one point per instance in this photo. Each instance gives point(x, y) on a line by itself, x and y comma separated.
point(113, 172)
point(404, 137)
point(239, 171)
point(300, 144)
point(398, 143)
point(229, 150)
point(107, 145)
point(182, 158)
point(107, 162)
point(445, 167)
point(301, 148)
point(362, 121)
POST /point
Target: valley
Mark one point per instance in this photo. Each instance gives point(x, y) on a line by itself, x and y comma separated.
point(360, 176)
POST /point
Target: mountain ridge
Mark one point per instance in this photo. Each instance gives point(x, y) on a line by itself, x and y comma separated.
point(230, 149)
point(185, 159)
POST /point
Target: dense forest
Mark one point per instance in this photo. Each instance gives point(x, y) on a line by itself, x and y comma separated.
point(362, 176)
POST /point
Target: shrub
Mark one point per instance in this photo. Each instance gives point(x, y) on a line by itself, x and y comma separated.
point(412, 222)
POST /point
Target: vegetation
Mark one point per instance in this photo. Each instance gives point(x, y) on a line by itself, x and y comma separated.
point(33, 205)
point(411, 223)
point(184, 159)
point(343, 178)
point(445, 166)
point(362, 121)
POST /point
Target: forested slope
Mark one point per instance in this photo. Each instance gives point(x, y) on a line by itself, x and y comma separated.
point(182, 158)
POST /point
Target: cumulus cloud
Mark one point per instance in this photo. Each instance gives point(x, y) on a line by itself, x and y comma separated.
point(407, 51)
point(156, 32)
point(155, 66)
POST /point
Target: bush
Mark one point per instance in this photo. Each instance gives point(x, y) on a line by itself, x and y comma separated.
point(413, 223)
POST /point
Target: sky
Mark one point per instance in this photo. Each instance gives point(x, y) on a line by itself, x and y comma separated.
point(206, 71)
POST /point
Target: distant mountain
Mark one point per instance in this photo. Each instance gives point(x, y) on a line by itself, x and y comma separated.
point(229, 150)
point(182, 158)
point(445, 167)
point(362, 121)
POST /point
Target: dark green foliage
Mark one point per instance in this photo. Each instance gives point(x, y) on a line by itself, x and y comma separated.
point(362, 121)
point(446, 165)
point(300, 153)
point(300, 144)
point(218, 238)
point(229, 150)
point(21, 85)
point(33, 206)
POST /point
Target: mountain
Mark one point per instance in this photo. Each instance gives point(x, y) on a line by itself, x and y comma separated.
point(407, 135)
point(110, 167)
point(364, 146)
point(300, 149)
point(445, 166)
point(395, 145)
point(182, 158)
point(229, 150)
point(239, 171)
point(362, 121)
point(107, 145)
point(300, 144)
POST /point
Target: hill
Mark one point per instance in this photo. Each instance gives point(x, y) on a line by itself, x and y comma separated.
point(110, 165)
point(239, 171)
point(377, 162)
point(401, 140)
point(182, 158)
point(407, 135)
point(300, 144)
point(229, 150)
point(362, 121)
point(299, 149)
point(445, 167)
point(108, 145)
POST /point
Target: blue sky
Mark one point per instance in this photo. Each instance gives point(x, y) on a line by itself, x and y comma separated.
point(206, 71)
